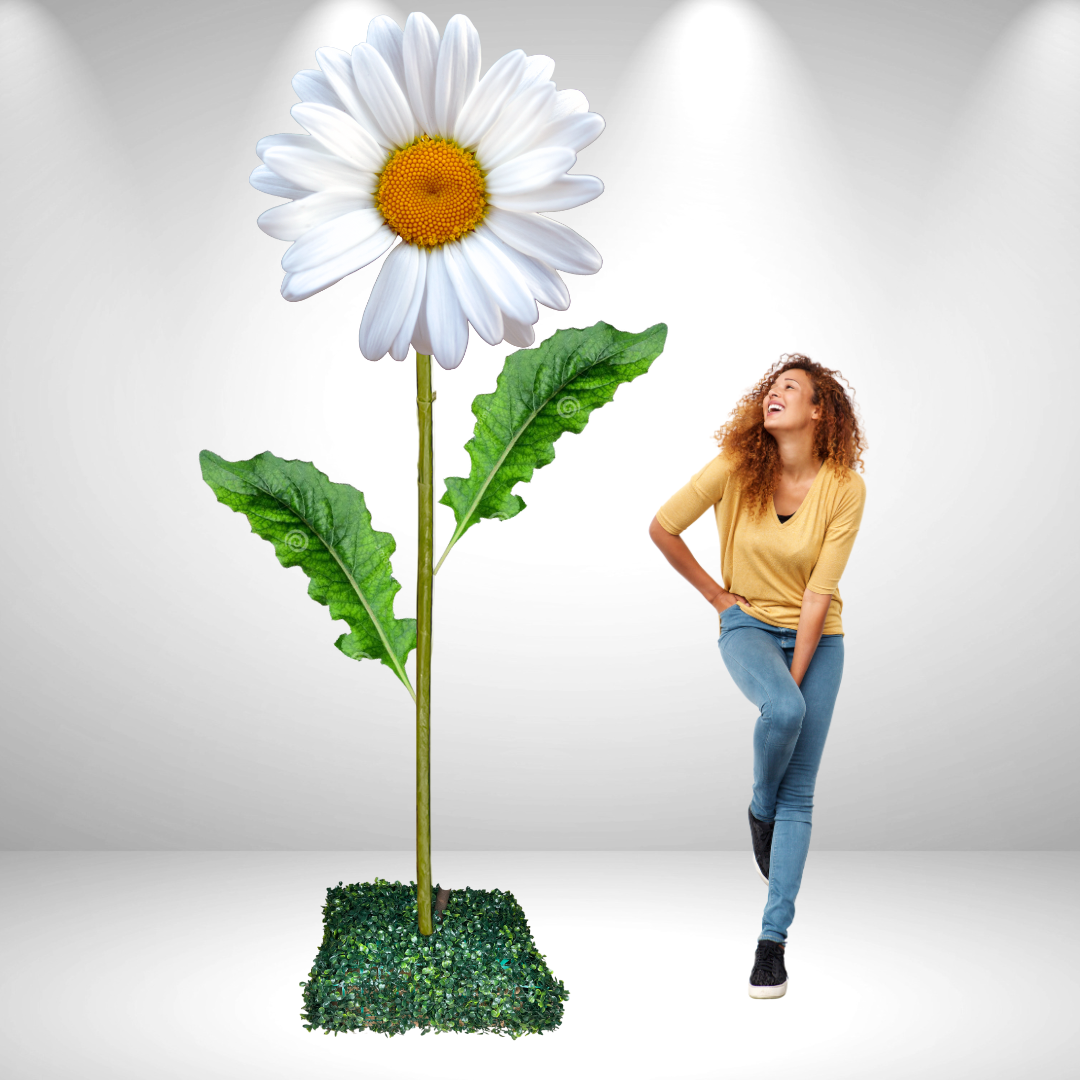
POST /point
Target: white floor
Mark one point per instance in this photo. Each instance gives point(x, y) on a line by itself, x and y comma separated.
point(901, 964)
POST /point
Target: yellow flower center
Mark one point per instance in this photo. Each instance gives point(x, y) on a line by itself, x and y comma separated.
point(431, 192)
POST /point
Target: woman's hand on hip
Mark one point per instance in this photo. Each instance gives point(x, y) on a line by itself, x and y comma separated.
point(724, 599)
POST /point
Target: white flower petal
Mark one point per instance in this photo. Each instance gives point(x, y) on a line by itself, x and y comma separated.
point(561, 194)
point(338, 68)
point(330, 239)
point(339, 134)
point(569, 101)
point(500, 276)
point(528, 171)
point(544, 239)
point(389, 301)
point(307, 283)
point(483, 105)
point(315, 169)
point(576, 131)
point(421, 337)
point(314, 86)
point(286, 139)
point(457, 72)
point(517, 126)
point(383, 95)
point(264, 179)
point(542, 280)
point(420, 56)
point(443, 318)
point(289, 221)
point(521, 335)
point(399, 347)
point(477, 303)
point(385, 35)
point(538, 68)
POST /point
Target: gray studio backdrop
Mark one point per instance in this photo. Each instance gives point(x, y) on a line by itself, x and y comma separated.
point(889, 187)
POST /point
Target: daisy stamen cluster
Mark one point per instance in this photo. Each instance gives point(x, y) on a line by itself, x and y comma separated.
point(431, 192)
point(410, 150)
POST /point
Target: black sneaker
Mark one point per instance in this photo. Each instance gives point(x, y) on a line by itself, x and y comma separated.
point(761, 839)
point(769, 977)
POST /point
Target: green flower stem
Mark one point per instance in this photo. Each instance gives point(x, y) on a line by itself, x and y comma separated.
point(426, 543)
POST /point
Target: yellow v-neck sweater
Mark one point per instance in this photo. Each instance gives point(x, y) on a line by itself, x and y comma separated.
point(769, 562)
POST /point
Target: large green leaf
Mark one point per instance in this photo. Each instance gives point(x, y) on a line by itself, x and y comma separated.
point(325, 529)
point(539, 394)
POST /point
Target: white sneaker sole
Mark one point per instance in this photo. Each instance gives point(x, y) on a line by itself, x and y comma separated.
point(769, 991)
point(758, 868)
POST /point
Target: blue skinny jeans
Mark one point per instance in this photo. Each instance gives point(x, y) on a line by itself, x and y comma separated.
point(789, 738)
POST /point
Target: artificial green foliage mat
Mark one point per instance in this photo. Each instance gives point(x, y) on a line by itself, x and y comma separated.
point(478, 970)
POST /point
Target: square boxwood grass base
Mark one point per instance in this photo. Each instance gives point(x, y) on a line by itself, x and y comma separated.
point(478, 970)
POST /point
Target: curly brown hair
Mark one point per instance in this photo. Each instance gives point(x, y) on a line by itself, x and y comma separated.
point(838, 438)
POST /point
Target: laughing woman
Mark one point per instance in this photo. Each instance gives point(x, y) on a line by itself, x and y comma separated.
point(788, 505)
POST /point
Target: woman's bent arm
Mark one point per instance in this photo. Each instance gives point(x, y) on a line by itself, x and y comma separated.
point(811, 622)
point(678, 554)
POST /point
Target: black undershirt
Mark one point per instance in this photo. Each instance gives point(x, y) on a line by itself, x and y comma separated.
point(783, 517)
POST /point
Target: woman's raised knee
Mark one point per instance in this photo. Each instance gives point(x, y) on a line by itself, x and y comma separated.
point(786, 713)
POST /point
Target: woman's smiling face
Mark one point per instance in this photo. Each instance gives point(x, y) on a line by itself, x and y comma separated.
point(791, 391)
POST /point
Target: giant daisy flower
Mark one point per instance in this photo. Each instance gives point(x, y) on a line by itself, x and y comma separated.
point(410, 149)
